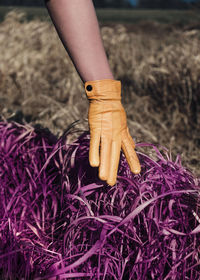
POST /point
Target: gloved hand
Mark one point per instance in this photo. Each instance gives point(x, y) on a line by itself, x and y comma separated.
point(108, 129)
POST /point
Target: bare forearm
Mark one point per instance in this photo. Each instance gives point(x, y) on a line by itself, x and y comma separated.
point(78, 28)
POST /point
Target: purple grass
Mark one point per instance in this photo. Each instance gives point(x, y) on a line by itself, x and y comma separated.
point(58, 220)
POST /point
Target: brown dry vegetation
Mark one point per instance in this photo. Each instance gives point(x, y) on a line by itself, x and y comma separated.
point(159, 66)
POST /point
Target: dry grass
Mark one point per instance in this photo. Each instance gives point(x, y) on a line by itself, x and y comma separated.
point(159, 67)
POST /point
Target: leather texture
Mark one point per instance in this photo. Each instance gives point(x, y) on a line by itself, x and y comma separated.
point(108, 130)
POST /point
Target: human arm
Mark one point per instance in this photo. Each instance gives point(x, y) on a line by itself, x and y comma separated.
point(77, 26)
point(78, 29)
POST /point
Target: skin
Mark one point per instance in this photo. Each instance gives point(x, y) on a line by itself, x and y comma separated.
point(77, 26)
point(81, 38)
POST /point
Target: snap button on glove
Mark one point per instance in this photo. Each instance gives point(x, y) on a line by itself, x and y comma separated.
point(108, 129)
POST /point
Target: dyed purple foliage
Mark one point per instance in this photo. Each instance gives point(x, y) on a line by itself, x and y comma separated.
point(58, 220)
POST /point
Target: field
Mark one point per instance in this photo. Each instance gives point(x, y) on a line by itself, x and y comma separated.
point(117, 15)
point(155, 54)
point(58, 220)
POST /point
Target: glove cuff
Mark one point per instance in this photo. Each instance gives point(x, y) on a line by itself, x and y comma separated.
point(103, 89)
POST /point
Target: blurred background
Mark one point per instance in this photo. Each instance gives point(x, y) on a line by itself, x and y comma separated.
point(158, 4)
point(152, 47)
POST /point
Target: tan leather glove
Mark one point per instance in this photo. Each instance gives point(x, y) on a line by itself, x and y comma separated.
point(108, 129)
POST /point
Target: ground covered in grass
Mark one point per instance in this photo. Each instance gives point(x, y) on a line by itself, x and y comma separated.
point(57, 217)
point(158, 64)
point(59, 221)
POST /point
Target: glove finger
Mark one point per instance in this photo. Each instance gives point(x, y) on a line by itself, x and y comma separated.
point(130, 138)
point(114, 162)
point(104, 158)
point(94, 148)
point(130, 154)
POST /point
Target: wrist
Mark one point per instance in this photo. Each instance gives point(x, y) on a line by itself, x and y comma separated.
point(103, 89)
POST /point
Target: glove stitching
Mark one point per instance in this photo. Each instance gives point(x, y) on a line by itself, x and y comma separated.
point(101, 124)
point(112, 120)
point(111, 137)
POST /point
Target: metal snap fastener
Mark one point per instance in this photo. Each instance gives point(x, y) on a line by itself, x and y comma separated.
point(89, 88)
